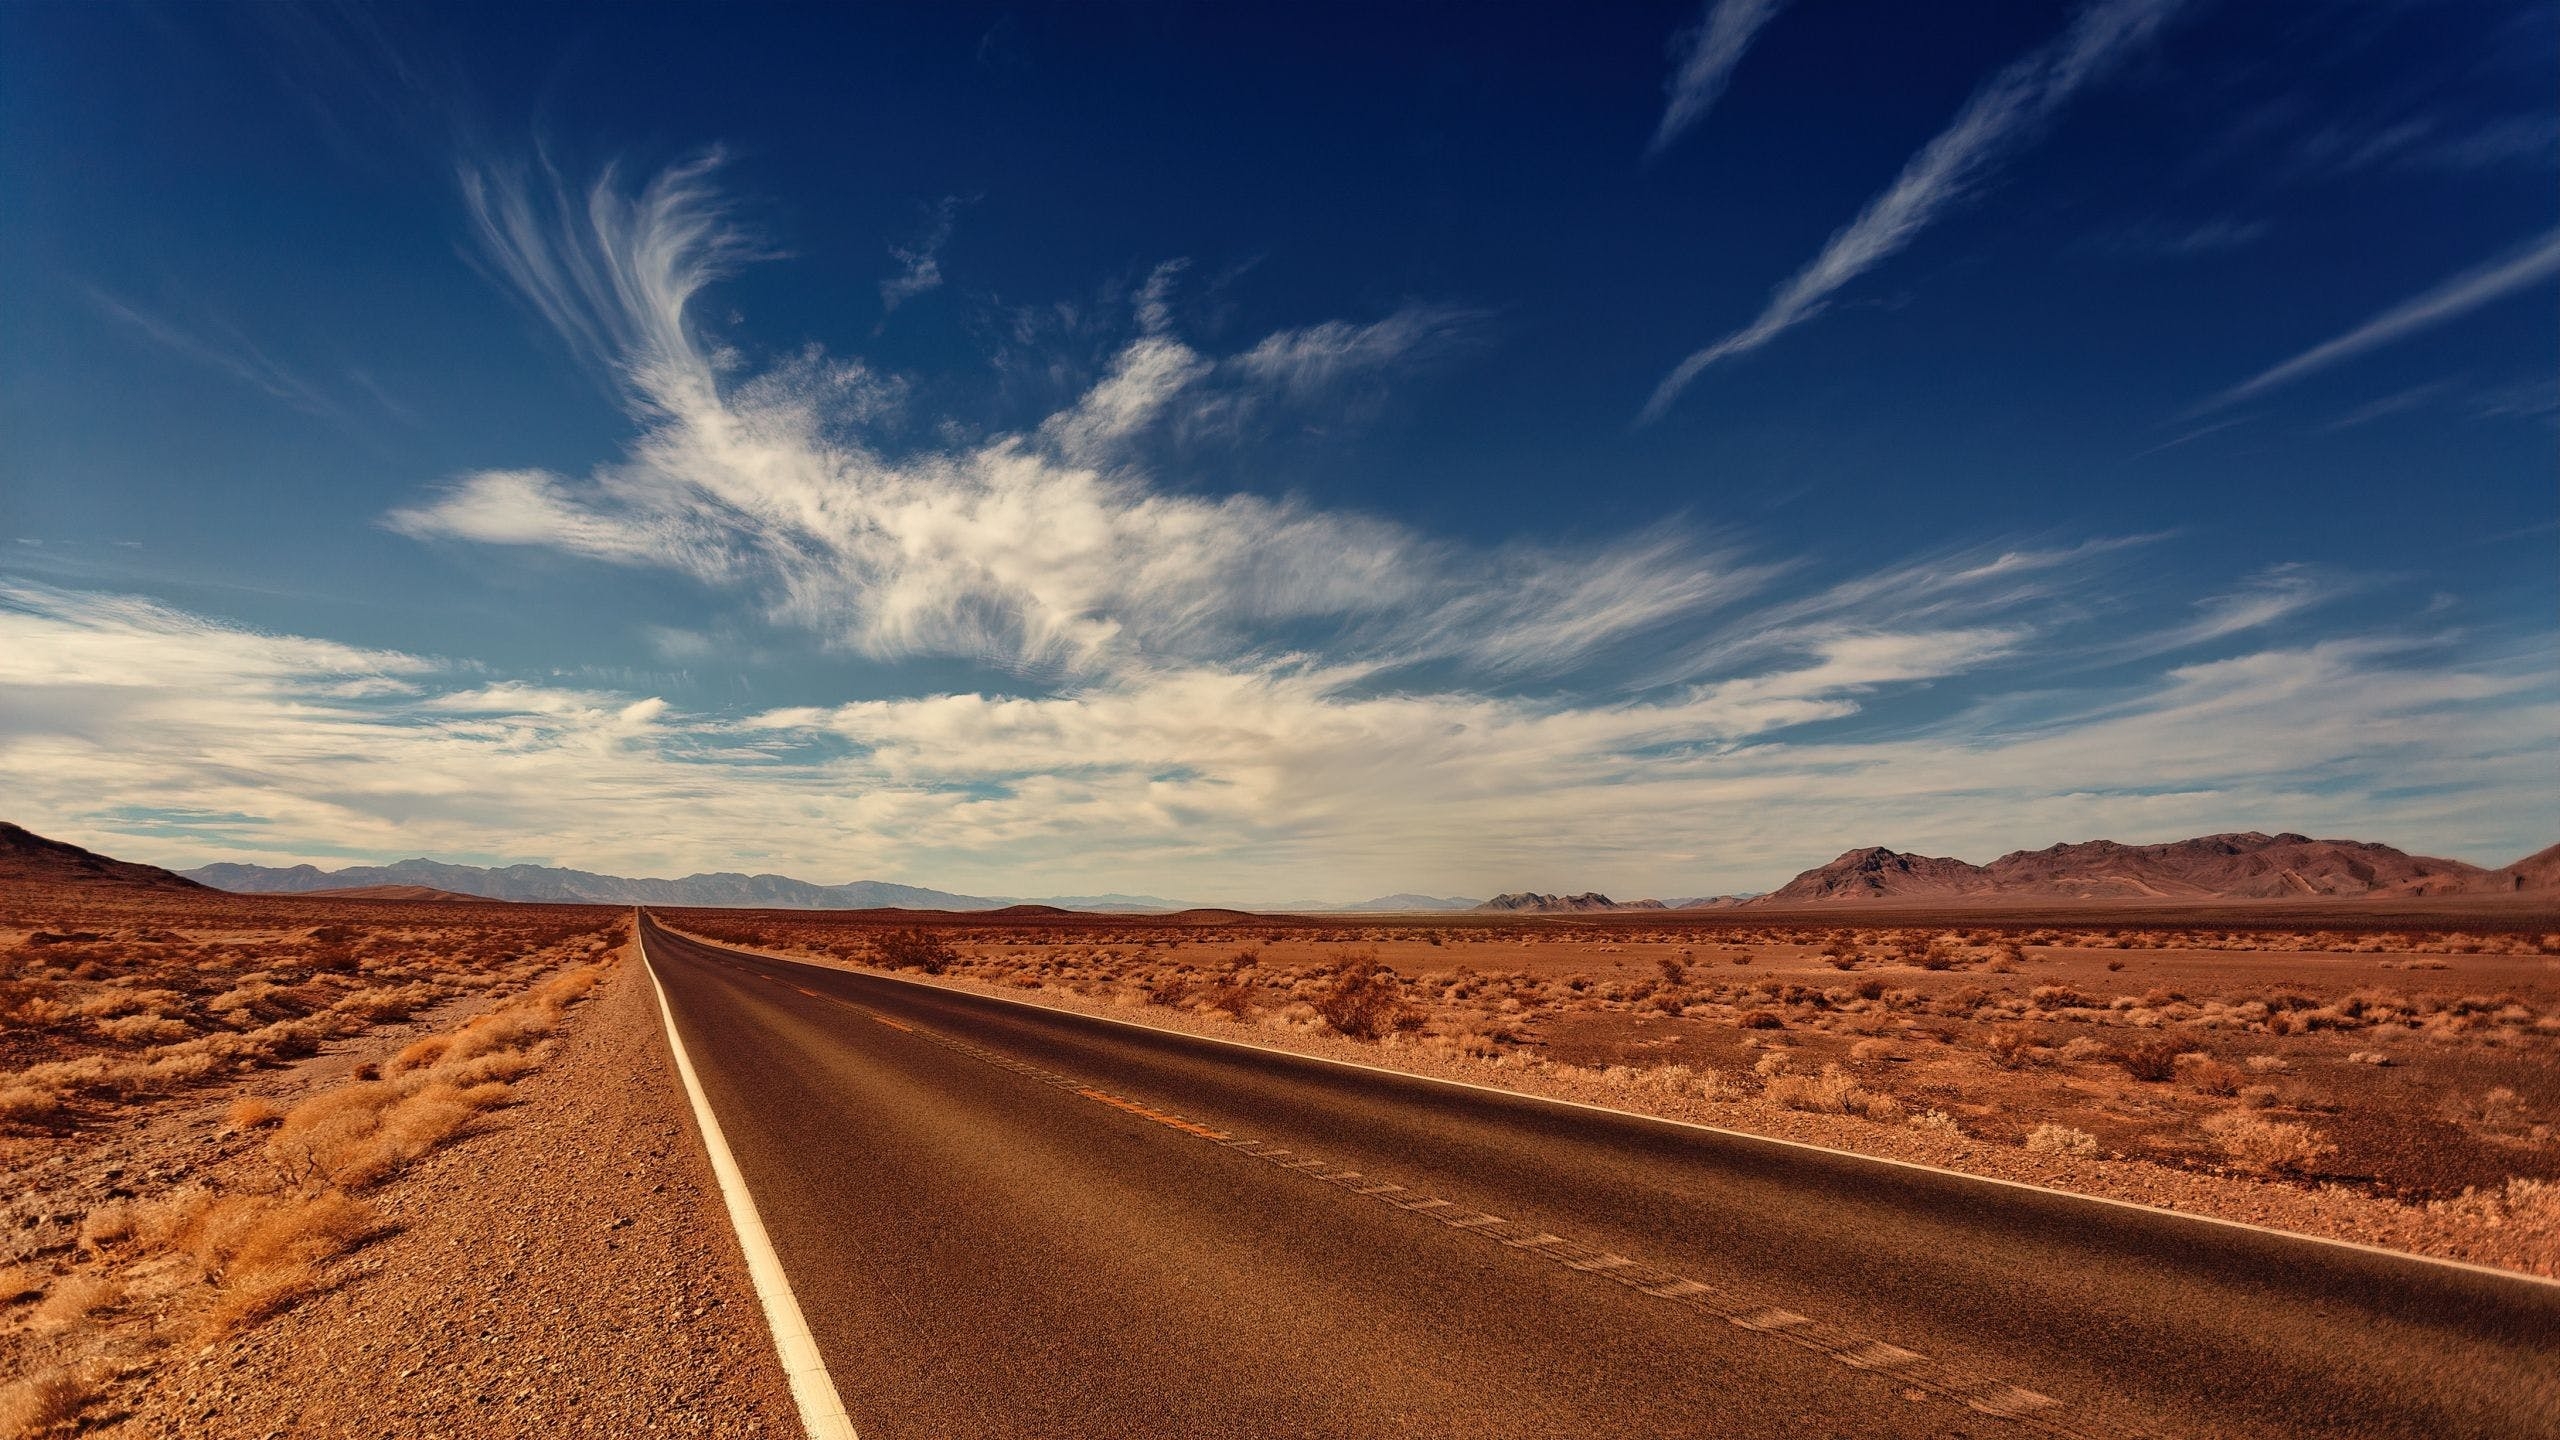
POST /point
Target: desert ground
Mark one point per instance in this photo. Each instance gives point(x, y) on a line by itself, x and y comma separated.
point(2373, 1074)
point(242, 1132)
point(249, 1135)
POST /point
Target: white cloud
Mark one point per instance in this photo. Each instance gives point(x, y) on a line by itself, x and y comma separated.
point(1707, 53)
point(1048, 550)
point(2447, 300)
point(920, 264)
point(1948, 170)
point(1228, 782)
point(224, 349)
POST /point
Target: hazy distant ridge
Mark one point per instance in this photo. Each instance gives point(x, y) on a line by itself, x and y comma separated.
point(544, 882)
point(725, 890)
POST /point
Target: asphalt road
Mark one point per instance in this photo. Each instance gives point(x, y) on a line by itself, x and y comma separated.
point(1003, 1220)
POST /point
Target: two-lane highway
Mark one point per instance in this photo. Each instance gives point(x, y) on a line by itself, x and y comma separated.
point(1003, 1220)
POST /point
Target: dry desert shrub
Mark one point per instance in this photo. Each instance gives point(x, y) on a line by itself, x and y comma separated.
point(75, 1299)
point(1231, 998)
point(2207, 1075)
point(2153, 1059)
point(2051, 1139)
point(1871, 1050)
point(20, 1283)
point(2015, 1047)
point(1831, 1092)
point(252, 1112)
point(1936, 1122)
point(2255, 1142)
point(29, 1104)
point(2529, 1207)
point(917, 949)
point(47, 1403)
point(1363, 1000)
point(419, 1055)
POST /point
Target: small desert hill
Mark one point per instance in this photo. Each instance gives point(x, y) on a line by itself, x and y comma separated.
point(27, 858)
point(1529, 902)
point(2244, 866)
point(2539, 871)
point(393, 892)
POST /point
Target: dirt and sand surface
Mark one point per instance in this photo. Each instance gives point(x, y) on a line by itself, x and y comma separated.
point(497, 1221)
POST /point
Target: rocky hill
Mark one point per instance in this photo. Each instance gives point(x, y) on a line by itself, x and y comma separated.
point(2244, 866)
point(1529, 902)
point(27, 858)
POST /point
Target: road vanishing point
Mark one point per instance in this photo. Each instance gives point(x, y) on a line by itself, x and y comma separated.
point(1000, 1220)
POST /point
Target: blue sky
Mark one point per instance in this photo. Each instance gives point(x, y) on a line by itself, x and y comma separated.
point(1262, 453)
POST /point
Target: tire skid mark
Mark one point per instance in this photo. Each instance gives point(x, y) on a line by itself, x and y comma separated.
point(1909, 1368)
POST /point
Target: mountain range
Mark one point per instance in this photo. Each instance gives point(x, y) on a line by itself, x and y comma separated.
point(2238, 866)
point(725, 890)
point(2242, 866)
point(1589, 902)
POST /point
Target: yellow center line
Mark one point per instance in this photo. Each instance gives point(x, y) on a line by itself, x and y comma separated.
point(1187, 1127)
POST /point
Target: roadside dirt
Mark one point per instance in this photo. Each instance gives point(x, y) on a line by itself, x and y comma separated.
point(568, 1269)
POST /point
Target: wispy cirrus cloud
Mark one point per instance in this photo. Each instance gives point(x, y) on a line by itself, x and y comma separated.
point(920, 262)
point(2007, 111)
point(1704, 57)
point(1045, 548)
point(219, 346)
point(2425, 142)
point(2448, 299)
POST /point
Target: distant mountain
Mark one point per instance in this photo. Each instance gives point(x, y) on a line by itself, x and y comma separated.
point(543, 882)
point(727, 890)
point(1713, 902)
point(27, 858)
point(1528, 902)
point(1108, 904)
point(1400, 904)
point(391, 892)
point(2246, 866)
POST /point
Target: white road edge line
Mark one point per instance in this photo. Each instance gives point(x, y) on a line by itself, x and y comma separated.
point(2157, 1211)
point(822, 1411)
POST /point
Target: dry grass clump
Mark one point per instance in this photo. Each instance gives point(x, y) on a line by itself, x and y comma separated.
point(29, 1104)
point(2051, 1139)
point(75, 1299)
point(47, 1403)
point(2254, 1142)
point(126, 1007)
point(260, 1253)
point(2528, 1209)
point(1832, 1091)
point(252, 1112)
point(359, 1135)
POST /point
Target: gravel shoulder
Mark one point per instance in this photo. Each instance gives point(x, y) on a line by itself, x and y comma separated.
point(570, 1270)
